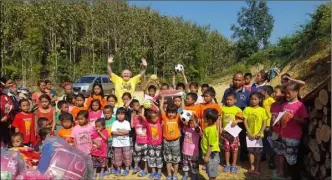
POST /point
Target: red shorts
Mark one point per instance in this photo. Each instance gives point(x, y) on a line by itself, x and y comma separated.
point(230, 143)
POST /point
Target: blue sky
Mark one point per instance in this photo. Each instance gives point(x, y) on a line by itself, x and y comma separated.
point(220, 15)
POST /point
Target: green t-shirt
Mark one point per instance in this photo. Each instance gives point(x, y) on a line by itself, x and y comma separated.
point(108, 126)
point(210, 138)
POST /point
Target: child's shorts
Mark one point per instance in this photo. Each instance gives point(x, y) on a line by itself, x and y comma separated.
point(212, 165)
point(277, 144)
point(155, 158)
point(230, 143)
point(172, 152)
point(99, 161)
point(140, 152)
point(255, 150)
point(122, 155)
point(190, 163)
point(291, 147)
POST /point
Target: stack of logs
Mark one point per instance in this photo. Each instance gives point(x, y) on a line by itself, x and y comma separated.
point(318, 141)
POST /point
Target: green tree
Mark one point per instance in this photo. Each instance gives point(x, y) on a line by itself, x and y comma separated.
point(255, 25)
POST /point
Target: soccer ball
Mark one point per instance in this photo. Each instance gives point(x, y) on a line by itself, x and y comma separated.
point(186, 115)
point(179, 68)
point(147, 104)
point(153, 77)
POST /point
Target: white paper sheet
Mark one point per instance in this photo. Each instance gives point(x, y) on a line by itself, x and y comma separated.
point(280, 115)
point(234, 131)
point(254, 143)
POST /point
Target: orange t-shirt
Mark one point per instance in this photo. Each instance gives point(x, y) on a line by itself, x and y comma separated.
point(206, 106)
point(171, 127)
point(76, 109)
point(102, 101)
point(49, 115)
point(194, 108)
point(65, 134)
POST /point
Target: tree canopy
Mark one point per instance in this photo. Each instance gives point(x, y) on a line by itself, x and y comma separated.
point(63, 40)
point(254, 28)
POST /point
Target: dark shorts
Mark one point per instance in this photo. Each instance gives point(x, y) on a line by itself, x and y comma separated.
point(212, 165)
point(255, 150)
point(172, 152)
point(140, 152)
point(190, 163)
point(291, 148)
point(155, 159)
point(99, 161)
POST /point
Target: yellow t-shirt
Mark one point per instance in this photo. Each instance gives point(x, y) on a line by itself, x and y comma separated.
point(267, 103)
point(122, 86)
point(255, 118)
point(229, 113)
point(210, 138)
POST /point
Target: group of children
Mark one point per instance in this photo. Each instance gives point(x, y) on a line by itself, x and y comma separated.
point(131, 136)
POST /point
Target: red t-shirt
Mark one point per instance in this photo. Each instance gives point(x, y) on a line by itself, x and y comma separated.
point(26, 125)
point(290, 128)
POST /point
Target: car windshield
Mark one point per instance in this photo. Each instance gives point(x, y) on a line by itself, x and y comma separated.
point(85, 80)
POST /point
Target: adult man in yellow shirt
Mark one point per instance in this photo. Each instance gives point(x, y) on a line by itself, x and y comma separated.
point(125, 83)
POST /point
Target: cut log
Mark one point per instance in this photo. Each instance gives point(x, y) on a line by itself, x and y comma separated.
point(324, 119)
point(318, 104)
point(314, 170)
point(323, 97)
point(314, 121)
point(325, 133)
point(329, 86)
point(322, 147)
point(312, 161)
point(313, 113)
point(325, 110)
point(313, 146)
point(322, 170)
point(327, 155)
point(318, 137)
point(327, 163)
point(320, 123)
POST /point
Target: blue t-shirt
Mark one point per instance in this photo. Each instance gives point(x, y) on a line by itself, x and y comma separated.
point(257, 88)
point(242, 97)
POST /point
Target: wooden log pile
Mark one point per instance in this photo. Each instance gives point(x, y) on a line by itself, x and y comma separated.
point(318, 137)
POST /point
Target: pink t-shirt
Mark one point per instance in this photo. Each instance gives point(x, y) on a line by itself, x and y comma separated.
point(82, 137)
point(275, 109)
point(290, 128)
point(102, 150)
point(140, 130)
point(190, 142)
point(94, 115)
point(154, 132)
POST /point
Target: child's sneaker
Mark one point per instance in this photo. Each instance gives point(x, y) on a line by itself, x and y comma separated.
point(125, 173)
point(157, 176)
point(227, 168)
point(135, 170)
point(233, 169)
point(169, 178)
point(113, 170)
point(152, 175)
point(142, 173)
point(117, 172)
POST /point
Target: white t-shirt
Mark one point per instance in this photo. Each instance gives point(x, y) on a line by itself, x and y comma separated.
point(120, 141)
point(200, 100)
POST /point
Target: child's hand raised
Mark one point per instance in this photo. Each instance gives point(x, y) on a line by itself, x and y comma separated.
point(144, 63)
point(110, 58)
